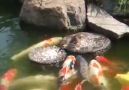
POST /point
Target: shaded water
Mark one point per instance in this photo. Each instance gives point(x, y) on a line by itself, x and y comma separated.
point(14, 39)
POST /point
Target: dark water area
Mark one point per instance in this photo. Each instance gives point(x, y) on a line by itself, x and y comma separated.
point(15, 37)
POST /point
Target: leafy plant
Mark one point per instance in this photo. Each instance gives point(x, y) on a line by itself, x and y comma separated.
point(122, 6)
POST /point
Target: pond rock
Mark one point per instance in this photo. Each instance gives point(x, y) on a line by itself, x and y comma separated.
point(85, 42)
point(102, 22)
point(49, 55)
point(21, 1)
point(60, 14)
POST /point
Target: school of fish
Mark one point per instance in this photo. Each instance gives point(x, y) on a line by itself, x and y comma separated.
point(72, 68)
point(92, 72)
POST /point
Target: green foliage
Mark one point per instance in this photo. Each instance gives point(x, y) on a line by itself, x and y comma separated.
point(121, 7)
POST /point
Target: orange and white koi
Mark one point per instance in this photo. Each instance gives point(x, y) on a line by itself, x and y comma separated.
point(95, 75)
point(70, 61)
point(68, 71)
point(46, 42)
point(7, 78)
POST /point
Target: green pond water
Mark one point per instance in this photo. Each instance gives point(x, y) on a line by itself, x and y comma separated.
point(14, 39)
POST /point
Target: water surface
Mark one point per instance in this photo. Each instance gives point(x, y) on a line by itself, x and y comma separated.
point(14, 39)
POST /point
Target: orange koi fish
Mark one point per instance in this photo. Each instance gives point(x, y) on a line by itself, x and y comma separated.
point(108, 67)
point(68, 71)
point(125, 88)
point(103, 60)
point(7, 78)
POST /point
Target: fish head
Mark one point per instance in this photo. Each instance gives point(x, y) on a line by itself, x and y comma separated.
point(69, 62)
point(103, 60)
point(68, 71)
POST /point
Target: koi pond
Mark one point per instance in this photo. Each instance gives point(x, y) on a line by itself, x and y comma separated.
point(15, 39)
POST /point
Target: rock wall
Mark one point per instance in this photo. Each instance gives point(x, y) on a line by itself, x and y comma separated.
point(60, 14)
point(102, 22)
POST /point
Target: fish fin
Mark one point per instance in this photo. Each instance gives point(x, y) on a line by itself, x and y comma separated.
point(63, 71)
point(78, 87)
point(64, 87)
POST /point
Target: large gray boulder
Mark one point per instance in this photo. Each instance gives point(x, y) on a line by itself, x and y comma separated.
point(102, 22)
point(60, 14)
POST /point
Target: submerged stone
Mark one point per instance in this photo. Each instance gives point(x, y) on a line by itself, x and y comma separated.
point(47, 55)
point(84, 42)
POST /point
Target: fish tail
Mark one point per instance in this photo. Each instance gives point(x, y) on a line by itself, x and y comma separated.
point(3, 87)
point(125, 88)
point(78, 87)
point(7, 78)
